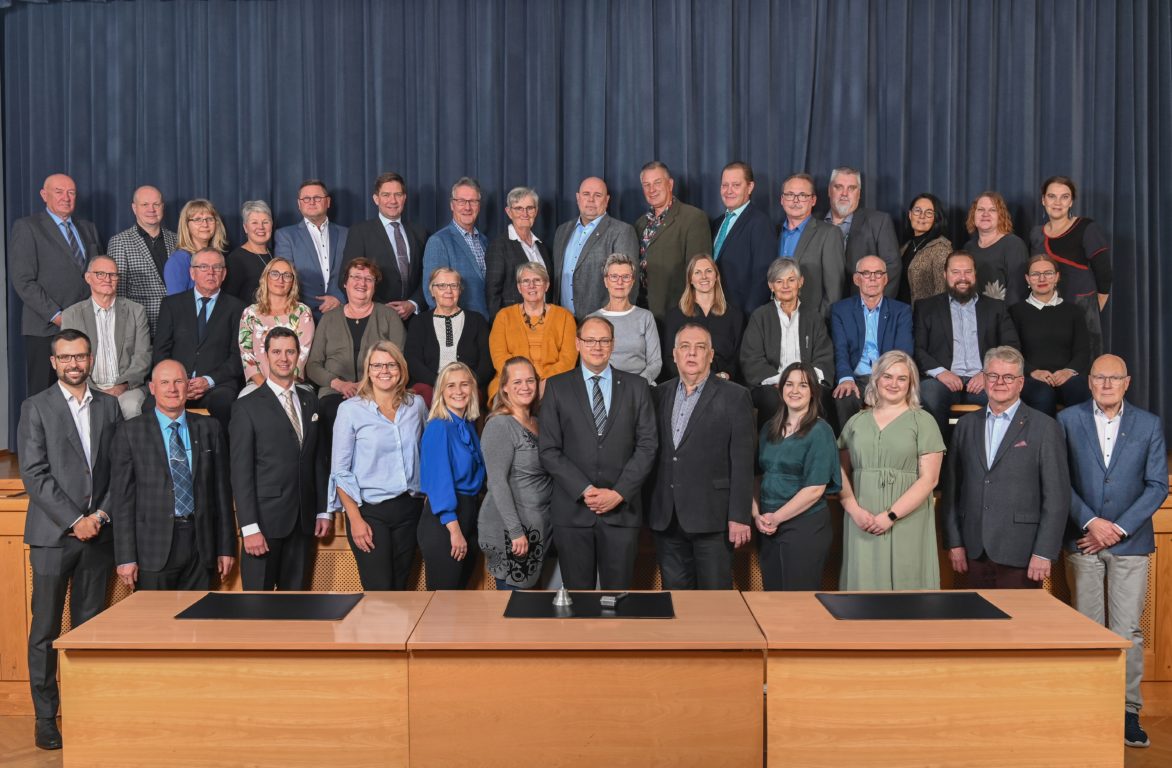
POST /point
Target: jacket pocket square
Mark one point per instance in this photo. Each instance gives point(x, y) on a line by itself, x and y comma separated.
point(1020, 444)
point(313, 417)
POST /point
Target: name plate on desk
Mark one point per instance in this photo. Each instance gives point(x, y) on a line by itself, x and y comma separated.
point(588, 605)
point(271, 606)
point(909, 606)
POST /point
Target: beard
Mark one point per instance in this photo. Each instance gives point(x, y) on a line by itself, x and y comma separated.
point(842, 209)
point(964, 295)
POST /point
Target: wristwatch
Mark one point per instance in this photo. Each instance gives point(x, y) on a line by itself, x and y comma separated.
point(892, 516)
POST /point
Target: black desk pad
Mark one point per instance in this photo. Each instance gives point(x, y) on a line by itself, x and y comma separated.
point(281, 607)
point(917, 606)
point(637, 605)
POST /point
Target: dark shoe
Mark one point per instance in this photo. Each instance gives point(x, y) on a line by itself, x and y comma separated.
point(1133, 733)
point(48, 737)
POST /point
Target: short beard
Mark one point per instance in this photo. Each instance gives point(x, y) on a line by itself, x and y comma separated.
point(842, 210)
point(963, 296)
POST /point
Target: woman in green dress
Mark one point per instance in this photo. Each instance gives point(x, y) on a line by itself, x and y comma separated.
point(891, 455)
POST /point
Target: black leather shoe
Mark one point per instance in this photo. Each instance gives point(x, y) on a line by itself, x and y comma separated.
point(48, 736)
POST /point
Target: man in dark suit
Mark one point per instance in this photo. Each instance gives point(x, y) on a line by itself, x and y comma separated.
point(47, 254)
point(200, 329)
point(64, 446)
point(815, 245)
point(865, 231)
point(863, 327)
point(394, 244)
point(1119, 478)
point(275, 473)
point(744, 241)
point(598, 441)
point(581, 247)
point(701, 506)
point(518, 245)
point(670, 233)
point(1007, 489)
point(141, 252)
point(953, 331)
point(314, 247)
point(170, 497)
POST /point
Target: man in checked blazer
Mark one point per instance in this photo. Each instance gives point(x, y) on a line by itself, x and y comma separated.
point(275, 473)
point(168, 536)
point(598, 441)
point(141, 253)
point(581, 247)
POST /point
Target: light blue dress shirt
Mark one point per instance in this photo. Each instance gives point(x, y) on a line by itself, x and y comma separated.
point(870, 340)
point(578, 238)
point(375, 459)
point(995, 428)
point(606, 384)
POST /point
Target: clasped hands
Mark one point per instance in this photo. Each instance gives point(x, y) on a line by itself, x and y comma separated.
point(875, 524)
point(601, 500)
point(1100, 535)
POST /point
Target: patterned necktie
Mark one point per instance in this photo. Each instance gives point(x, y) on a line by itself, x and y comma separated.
point(74, 246)
point(401, 255)
point(477, 250)
point(599, 405)
point(725, 226)
point(201, 326)
point(180, 474)
point(291, 412)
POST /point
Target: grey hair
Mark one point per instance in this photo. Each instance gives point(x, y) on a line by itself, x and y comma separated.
point(255, 206)
point(655, 165)
point(435, 273)
point(847, 170)
point(535, 268)
point(1006, 355)
point(620, 259)
point(466, 181)
point(781, 267)
point(882, 365)
point(517, 194)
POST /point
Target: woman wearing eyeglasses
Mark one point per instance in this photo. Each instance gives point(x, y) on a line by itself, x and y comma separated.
point(535, 329)
point(374, 475)
point(199, 227)
point(246, 263)
point(1054, 341)
point(636, 338)
point(925, 250)
point(998, 254)
point(517, 246)
point(276, 305)
point(446, 334)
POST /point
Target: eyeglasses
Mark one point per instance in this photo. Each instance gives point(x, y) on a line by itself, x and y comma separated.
point(531, 282)
point(874, 274)
point(391, 366)
point(446, 286)
point(998, 378)
point(202, 220)
point(360, 279)
point(528, 210)
point(283, 276)
point(699, 349)
point(80, 357)
point(460, 202)
point(1048, 274)
point(925, 212)
point(214, 268)
point(1100, 379)
point(105, 275)
point(311, 199)
point(799, 196)
point(620, 278)
point(596, 342)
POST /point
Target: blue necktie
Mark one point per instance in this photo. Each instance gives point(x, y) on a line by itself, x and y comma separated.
point(725, 226)
point(74, 246)
point(180, 474)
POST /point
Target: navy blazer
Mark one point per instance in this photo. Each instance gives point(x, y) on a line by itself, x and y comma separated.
point(293, 243)
point(745, 255)
point(848, 330)
point(1128, 492)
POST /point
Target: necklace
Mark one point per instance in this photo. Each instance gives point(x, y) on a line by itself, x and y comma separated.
point(532, 324)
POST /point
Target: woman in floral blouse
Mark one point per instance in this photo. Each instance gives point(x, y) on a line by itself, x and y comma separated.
point(276, 305)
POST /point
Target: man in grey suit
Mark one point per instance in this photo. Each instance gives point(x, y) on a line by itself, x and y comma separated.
point(581, 247)
point(1007, 490)
point(47, 254)
point(598, 442)
point(141, 252)
point(314, 246)
point(1119, 478)
point(814, 245)
point(865, 231)
point(64, 445)
point(118, 329)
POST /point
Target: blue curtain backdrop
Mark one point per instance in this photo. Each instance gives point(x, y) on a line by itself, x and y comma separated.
point(242, 100)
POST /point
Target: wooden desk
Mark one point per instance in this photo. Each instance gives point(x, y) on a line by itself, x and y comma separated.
point(139, 688)
point(490, 691)
point(1044, 688)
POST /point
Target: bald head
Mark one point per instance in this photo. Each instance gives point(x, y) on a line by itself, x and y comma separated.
point(147, 205)
point(593, 198)
point(871, 278)
point(1109, 382)
point(1109, 364)
point(169, 386)
point(60, 195)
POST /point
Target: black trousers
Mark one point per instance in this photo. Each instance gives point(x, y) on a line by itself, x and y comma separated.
point(436, 545)
point(38, 371)
point(88, 565)
point(605, 551)
point(284, 567)
point(693, 560)
point(792, 559)
point(393, 525)
point(183, 569)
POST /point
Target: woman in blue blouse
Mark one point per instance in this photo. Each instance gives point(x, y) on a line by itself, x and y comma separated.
point(452, 478)
point(798, 459)
point(375, 469)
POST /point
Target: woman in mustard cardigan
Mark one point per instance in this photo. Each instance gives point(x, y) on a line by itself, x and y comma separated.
point(543, 333)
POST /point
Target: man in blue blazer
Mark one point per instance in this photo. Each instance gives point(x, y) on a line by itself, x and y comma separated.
point(744, 241)
point(1119, 478)
point(863, 327)
point(461, 246)
point(314, 245)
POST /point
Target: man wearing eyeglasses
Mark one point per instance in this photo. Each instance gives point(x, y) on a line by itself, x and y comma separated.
point(200, 329)
point(670, 233)
point(462, 247)
point(141, 253)
point(865, 231)
point(121, 339)
point(314, 246)
point(1119, 478)
point(1007, 490)
point(815, 245)
point(598, 442)
point(63, 443)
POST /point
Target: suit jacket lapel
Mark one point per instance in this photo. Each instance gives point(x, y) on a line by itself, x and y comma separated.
point(313, 265)
point(335, 234)
point(54, 235)
point(702, 406)
point(155, 436)
point(1012, 433)
point(121, 321)
point(616, 398)
point(808, 233)
point(595, 239)
point(1086, 421)
point(68, 426)
point(1126, 422)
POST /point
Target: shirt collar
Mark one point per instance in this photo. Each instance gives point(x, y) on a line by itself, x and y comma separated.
point(513, 235)
point(588, 374)
point(387, 222)
point(69, 398)
point(970, 303)
point(99, 308)
point(1007, 414)
point(147, 235)
point(878, 306)
point(305, 220)
point(1101, 414)
point(277, 388)
point(198, 296)
point(799, 228)
point(57, 219)
point(165, 420)
point(777, 304)
point(682, 390)
point(847, 221)
point(1054, 301)
point(463, 232)
point(592, 224)
point(739, 210)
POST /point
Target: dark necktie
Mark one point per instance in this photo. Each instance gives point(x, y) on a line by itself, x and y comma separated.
point(599, 405)
point(180, 474)
point(74, 246)
point(201, 325)
point(401, 255)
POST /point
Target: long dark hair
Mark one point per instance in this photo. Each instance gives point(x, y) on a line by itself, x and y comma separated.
point(813, 412)
point(939, 222)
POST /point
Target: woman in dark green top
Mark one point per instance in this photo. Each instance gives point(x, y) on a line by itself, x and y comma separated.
point(798, 463)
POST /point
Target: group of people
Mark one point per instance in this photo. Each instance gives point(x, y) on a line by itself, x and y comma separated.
point(451, 393)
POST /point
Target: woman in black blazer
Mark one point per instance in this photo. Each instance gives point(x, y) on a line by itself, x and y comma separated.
point(514, 247)
point(430, 345)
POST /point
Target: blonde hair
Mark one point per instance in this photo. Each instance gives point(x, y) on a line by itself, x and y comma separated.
point(688, 299)
point(439, 409)
point(882, 365)
point(263, 305)
point(219, 239)
point(399, 394)
point(501, 404)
